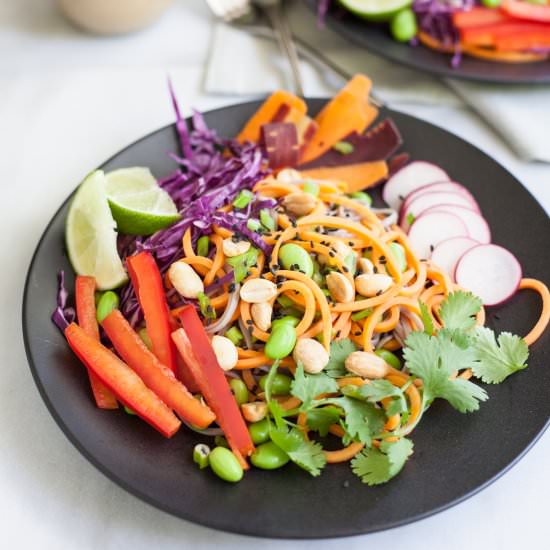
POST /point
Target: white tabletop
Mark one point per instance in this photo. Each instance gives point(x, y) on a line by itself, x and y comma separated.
point(67, 102)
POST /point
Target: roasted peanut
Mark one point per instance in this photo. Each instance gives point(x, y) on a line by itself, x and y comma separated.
point(232, 248)
point(367, 365)
point(299, 204)
point(311, 354)
point(254, 412)
point(185, 280)
point(339, 287)
point(372, 285)
point(261, 315)
point(226, 352)
point(255, 291)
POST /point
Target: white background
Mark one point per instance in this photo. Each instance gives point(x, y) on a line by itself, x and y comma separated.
point(67, 102)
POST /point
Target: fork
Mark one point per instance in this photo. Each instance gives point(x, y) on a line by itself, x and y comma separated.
point(242, 11)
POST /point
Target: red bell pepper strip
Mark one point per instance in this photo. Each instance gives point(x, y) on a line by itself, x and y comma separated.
point(147, 282)
point(479, 16)
point(195, 347)
point(122, 381)
point(491, 35)
point(524, 41)
point(86, 315)
point(156, 376)
point(525, 10)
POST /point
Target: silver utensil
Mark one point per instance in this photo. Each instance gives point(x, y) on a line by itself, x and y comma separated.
point(243, 11)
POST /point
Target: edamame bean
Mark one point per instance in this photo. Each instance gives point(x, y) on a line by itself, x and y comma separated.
point(200, 455)
point(280, 385)
point(493, 3)
point(202, 245)
point(240, 391)
point(281, 341)
point(259, 431)
point(403, 25)
point(391, 359)
point(268, 456)
point(109, 300)
point(293, 256)
point(287, 319)
point(225, 465)
point(399, 253)
point(311, 187)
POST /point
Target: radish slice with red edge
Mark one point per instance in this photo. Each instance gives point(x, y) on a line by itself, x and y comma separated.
point(427, 200)
point(429, 230)
point(411, 177)
point(490, 272)
point(444, 186)
point(447, 253)
point(478, 228)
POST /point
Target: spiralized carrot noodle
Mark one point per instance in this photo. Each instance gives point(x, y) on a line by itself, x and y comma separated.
point(540, 326)
point(373, 322)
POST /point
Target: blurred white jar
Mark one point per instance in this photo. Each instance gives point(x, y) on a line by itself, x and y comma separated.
point(113, 16)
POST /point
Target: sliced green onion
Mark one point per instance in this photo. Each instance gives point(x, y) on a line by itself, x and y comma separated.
point(235, 335)
point(362, 196)
point(206, 308)
point(343, 147)
point(203, 245)
point(243, 199)
point(200, 455)
point(362, 314)
point(284, 301)
point(311, 187)
point(410, 218)
point(267, 220)
point(253, 224)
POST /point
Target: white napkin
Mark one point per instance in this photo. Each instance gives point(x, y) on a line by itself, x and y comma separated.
point(241, 64)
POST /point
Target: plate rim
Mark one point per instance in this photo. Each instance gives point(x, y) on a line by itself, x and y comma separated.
point(151, 501)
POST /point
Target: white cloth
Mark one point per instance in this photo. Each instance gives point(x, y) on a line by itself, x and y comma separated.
point(67, 102)
point(521, 114)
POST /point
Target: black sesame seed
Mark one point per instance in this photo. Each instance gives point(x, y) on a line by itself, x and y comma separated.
point(293, 222)
point(350, 243)
point(331, 254)
point(337, 335)
point(374, 269)
point(249, 322)
point(431, 248)
point(358, 333)
point(345, 269)
point(379, 292)
point(231, 288)
point(279, 285)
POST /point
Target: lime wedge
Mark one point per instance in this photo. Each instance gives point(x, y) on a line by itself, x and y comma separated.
point(375, 10)
point(138, 204)
point(90, 234)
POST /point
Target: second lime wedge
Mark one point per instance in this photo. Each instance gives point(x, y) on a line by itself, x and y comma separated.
point(375, 10)
point(138, 204)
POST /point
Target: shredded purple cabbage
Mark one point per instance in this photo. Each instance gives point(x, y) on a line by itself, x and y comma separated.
point(208, 178)
point(62, 316)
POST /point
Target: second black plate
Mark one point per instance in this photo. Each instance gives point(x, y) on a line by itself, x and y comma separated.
point(376, 39)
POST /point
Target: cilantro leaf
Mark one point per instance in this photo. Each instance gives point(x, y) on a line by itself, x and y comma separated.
point(306, 387)
point(459, 309)
point(377, 390)
point(498, 361)
point(434, 360)
point(375, 466)
point(339, 351)
point(426, 318)
point(362, 420)
point(322, 418)
point(306, 454)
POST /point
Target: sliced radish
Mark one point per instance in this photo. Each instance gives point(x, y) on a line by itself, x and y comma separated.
point(427, 200)
point(478, 228)
point(411, 177)
point(490, 272)
point(447, 253)
point(429, 230)
point(444, 186)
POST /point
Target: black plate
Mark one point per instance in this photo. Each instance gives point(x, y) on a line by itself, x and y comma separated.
point(376, 39)
point(455, 455)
